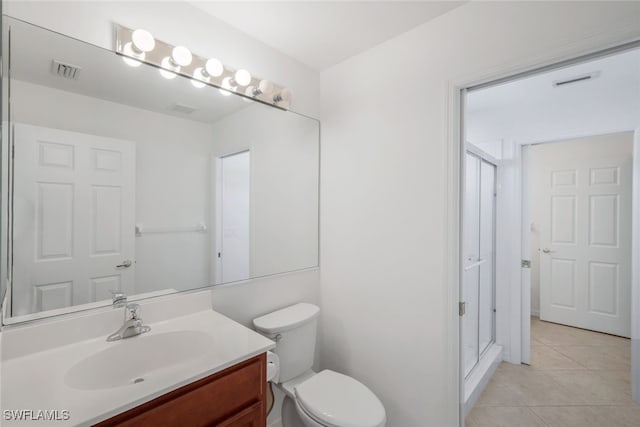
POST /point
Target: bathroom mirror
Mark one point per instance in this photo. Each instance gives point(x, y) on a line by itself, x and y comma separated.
point(123, 180)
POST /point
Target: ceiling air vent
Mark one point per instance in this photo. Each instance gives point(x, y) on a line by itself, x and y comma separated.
point(576, 79)
point(67, 71)
point(181, 108)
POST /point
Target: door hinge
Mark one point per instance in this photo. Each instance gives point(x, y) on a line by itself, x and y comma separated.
point(462, 308)
point(526, 263)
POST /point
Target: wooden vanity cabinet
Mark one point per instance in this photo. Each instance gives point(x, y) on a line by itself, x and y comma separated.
point(234, 397)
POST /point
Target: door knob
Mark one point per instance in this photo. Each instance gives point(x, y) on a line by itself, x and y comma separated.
point(547, 250)
point(125, 264)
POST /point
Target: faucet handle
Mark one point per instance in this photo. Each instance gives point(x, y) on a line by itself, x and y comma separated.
point(132, 312)
point(118, 298)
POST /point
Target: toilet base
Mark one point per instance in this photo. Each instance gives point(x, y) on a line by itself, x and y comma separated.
point(290, 417)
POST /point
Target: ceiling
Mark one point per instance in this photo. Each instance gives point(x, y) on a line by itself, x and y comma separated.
point(323, 33)
point(532, 109)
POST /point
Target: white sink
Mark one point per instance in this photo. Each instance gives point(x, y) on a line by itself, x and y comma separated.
point(133, 360)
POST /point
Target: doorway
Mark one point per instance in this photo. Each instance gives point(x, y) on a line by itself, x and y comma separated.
point(580, 208)
point(233, 217)
point(584, 228)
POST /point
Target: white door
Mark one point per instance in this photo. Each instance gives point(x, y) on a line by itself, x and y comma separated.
point(235, 251)
point(585, 232)
point(74, 213)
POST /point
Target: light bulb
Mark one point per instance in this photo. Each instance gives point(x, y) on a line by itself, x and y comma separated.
point(250, 91)
point(166, 63)
point(181, 56)
point(242, 77)
point(214, 67)
point(265, 86)
point(143, 41)
point(199, 78)
point(226, 86)
point(128, 51)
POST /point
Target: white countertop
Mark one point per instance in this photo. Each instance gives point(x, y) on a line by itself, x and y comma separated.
point(36, 381)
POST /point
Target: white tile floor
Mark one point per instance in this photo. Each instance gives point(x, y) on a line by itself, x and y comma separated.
point(577, 378)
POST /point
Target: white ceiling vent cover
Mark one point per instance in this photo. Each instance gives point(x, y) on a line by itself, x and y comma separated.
point(576, 79)
point(67, 71)
point(181, 108)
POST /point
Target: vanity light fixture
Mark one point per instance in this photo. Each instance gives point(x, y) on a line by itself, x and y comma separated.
point(137, 46)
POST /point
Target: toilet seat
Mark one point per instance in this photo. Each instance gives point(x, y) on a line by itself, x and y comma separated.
point(337, 400)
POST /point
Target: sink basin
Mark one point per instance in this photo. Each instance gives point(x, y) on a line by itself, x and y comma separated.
point(133, 360)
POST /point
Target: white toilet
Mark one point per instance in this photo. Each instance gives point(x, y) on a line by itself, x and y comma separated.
point(324, 399)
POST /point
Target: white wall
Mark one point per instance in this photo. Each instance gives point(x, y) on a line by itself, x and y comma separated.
point(620, 143)
point(387, 311)
point(181, 23)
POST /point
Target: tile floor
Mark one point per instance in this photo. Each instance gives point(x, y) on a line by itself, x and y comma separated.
point(577, 378)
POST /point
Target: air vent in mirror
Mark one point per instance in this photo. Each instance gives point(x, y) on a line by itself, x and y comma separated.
point(67, 71)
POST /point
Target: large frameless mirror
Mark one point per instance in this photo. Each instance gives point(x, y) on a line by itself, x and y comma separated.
point(117, 179)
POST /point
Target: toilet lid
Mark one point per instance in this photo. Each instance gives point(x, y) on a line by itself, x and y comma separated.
point(338, 400)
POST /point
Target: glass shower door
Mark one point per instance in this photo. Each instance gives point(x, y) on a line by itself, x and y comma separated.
point(478, 258)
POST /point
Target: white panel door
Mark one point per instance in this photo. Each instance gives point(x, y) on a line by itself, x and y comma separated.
point(585, 235)
point(235, 253)
point(74, 213)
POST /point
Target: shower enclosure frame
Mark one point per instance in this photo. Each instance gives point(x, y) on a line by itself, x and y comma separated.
point(483, 158)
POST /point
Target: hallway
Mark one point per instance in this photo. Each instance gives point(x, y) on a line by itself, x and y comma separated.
point(577, 378)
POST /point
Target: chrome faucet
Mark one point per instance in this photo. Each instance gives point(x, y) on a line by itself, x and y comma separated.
point(133, 324)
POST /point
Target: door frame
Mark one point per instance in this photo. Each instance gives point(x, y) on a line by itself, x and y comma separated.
point(586, 49)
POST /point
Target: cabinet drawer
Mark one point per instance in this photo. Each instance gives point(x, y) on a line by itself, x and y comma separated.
point(209, 401)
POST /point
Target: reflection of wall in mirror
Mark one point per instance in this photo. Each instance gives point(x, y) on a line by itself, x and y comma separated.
point(172, 176)
point(284, 184)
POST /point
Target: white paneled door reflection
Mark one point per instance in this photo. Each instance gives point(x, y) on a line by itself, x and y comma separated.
point(585, 229)
point(479, 258)
point(235, 250)
point(73, 214)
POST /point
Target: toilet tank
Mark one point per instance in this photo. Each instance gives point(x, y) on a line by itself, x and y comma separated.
point(294, 330)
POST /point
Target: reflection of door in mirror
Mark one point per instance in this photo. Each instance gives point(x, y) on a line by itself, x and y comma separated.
point(233, 222)
point(74, 210)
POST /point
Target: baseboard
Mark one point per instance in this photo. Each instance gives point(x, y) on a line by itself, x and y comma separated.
point(535, 313)
point(478, 379)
